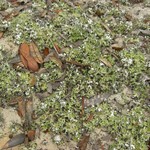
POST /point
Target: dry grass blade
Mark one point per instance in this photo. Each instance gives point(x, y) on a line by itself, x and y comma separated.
point(106, 62)
point(106, 27)
point(83, 142)
point(57, 48)
point(35, 53)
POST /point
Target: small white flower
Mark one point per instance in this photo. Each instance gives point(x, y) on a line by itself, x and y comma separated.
point(99, 109)
point(112, 114)
point(57, 138)
point(90, 21)
point(101, 64)
point(140, 121)
point(92, 69)
point(132, 146)
point(63, 103)
point(130, 61)
point(43, 105)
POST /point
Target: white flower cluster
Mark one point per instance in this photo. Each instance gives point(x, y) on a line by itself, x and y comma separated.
point(57, 138)
point(43, 105)
point(127, 62)
point(5, 24)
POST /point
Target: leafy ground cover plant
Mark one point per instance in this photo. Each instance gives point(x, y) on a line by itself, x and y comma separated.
point(91, 67)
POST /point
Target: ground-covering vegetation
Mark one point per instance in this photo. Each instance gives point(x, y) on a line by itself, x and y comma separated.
point(85, 35)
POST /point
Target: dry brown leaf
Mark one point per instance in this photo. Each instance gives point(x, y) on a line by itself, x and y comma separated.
point(31, 135)
point(46, 51)
point(16, 65)
point(49, 2)
point(57, 11)
point(35, 53)
point(42, 95)
point(28, 61)
point(21, 107)
point(69, 3)
point(136, 1)
point(148, 144)
point(29, 112)
point(32, 80)
point(24, 50)
point(128, 16)
point(3, 141)
point(77, 63)
point(83, 142)
point(57, 48)
point(41, 70)
point(114, 2)
point(43, 13)
point(119, 45)
point(144, 32)
point(12, 14)
point(91, 116)
point(106, 27)
point(16, 140)
point(32, 64)
point(1, 34)
point(106, 62)
point(24, 53)
point(13, 102)
point(54, 57)
point(14, 2)
point(24, 61)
